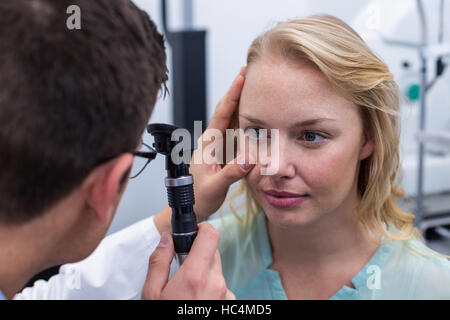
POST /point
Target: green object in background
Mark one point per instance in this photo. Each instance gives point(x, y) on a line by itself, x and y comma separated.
point(413, 93)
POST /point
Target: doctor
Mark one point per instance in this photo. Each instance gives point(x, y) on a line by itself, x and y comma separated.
point(73, 107)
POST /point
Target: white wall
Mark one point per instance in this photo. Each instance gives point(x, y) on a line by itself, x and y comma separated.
point(232, 25)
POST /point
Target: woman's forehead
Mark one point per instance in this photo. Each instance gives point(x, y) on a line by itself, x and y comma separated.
point(276, 89)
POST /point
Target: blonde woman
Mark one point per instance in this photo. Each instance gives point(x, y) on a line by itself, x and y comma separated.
point(327, 224)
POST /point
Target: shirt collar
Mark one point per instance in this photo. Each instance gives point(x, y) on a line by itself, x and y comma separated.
point(375, 264)
point(2, 296)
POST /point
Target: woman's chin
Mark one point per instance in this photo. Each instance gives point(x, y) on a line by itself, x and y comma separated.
point(283, 218)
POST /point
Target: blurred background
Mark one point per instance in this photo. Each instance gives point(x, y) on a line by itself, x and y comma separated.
point(214, 37)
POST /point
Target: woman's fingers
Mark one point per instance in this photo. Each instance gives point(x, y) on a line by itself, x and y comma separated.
point(212, 181)
point(233, 171)
point(225, 108)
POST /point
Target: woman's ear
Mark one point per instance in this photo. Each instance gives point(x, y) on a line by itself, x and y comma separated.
point(367, 147)
point(103, 187)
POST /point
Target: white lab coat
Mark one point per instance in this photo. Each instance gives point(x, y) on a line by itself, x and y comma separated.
point(117, 269)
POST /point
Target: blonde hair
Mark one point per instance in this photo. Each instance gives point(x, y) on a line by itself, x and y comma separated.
point(361, 77)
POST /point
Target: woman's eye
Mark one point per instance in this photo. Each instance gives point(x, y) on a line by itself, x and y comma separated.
point(312, 137)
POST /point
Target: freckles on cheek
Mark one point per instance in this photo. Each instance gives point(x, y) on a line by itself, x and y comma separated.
point(326, 171)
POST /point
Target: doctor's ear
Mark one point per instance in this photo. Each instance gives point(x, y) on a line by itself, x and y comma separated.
point(104, 185)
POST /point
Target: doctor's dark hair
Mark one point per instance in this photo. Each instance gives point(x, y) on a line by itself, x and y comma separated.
point(70, 99)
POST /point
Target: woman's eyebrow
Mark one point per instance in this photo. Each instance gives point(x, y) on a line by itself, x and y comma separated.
point(303, 123)
point(309, 122)
point(250, 119)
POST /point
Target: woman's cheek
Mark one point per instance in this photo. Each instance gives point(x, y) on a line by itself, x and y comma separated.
point(327, 172)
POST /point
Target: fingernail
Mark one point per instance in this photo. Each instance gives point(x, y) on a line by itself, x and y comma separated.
point(244, 162)
point(241, 74)
point(165, 240)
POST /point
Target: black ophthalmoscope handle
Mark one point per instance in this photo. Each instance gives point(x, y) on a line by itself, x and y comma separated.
point(180, 192)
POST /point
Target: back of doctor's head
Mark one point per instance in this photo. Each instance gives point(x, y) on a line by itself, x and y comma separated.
point(70, 99)
point(360, 76)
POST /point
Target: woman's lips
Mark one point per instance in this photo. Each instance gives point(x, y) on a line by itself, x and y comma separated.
point(283, 199)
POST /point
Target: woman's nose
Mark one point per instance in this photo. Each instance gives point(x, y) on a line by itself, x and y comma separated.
point(281, 161)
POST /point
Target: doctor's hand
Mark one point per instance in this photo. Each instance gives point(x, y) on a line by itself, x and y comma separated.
point(199, 277)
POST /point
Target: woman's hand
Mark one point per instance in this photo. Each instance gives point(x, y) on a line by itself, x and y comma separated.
point(211, 180)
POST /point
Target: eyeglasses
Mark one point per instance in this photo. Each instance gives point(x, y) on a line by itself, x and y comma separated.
point(142, 158)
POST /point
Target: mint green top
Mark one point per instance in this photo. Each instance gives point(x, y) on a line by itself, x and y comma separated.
point(395, 271)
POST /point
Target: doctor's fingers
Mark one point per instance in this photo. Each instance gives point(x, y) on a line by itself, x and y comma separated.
point(230, 296)
point(217, 281)
point(228, 104)
point(207, 283)
point(202, 254)
point(158, 268)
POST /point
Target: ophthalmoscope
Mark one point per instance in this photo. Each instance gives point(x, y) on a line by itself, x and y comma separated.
point(180, 190)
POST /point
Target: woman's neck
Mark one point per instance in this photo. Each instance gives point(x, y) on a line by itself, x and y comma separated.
point(320, 257)
point(334, 237)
